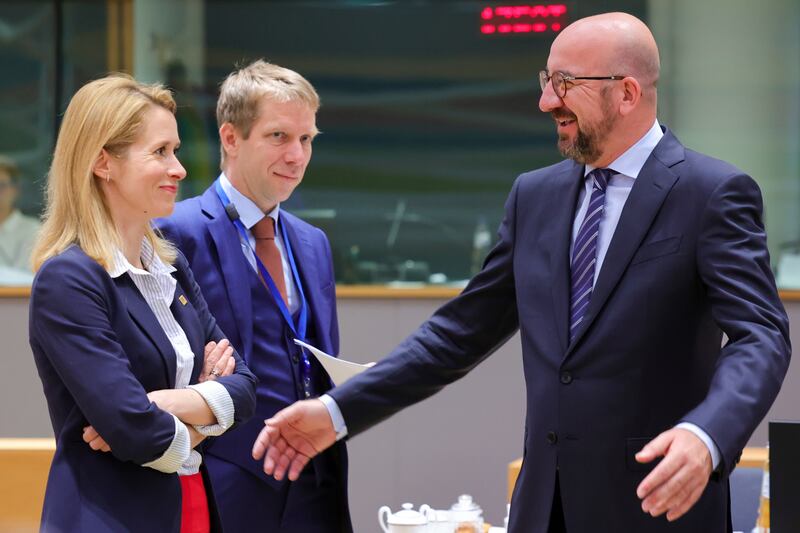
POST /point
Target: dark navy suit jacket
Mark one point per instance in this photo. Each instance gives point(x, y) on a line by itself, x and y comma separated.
point(99, 349)
point(201, 228)
point(687, 262)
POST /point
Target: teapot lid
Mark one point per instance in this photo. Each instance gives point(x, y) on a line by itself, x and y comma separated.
point(407, 517)
point(465, 503)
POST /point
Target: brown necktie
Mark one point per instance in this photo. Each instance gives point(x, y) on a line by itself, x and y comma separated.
point(267, 251)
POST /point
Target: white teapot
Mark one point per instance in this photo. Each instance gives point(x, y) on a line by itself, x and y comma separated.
point(406, 521)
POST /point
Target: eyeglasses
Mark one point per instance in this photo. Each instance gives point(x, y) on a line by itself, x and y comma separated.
point(560, 80)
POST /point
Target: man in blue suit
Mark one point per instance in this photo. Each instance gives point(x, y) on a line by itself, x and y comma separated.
point(268, 278)
point(621, 267)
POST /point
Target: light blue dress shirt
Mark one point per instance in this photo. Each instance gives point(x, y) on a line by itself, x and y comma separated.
point(250, 214)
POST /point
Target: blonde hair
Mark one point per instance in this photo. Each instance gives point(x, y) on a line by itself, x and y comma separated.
point(243, 89)
point(103, 114)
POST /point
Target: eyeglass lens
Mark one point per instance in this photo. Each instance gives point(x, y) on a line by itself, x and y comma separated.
point(559, 87)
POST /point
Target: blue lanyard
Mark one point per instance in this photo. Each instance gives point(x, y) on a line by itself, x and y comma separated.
point(298, 329)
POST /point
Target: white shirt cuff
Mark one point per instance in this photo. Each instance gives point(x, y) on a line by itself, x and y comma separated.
point(178, 452)
point(703, 436)
point(336, 416)
point(220, 403)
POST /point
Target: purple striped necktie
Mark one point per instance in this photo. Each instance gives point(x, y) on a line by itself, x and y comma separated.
point(584, 252)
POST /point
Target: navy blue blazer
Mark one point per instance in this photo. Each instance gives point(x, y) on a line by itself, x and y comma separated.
point(203, 231)
point(99, 349)
point(687, 262)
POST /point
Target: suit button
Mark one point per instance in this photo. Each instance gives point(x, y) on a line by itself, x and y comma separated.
point(552, 438)
point(295, 359)
point(566, 378)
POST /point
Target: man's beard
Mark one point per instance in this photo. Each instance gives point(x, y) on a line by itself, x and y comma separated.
point(584, 149)
point(591, 138)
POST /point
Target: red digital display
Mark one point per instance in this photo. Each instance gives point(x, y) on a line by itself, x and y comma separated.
point(523, 19)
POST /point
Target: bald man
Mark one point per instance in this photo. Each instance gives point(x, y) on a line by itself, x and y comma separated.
point(622, 267)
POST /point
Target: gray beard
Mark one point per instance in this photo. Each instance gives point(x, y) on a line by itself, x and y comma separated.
point(585, 149)
point(588, 144)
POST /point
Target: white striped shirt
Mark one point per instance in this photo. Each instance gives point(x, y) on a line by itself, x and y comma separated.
point(157, 286)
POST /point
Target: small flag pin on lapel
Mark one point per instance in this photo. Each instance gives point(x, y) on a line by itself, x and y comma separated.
point(182, 299)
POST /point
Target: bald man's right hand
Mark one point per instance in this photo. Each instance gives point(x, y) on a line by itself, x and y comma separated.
point(292, 437)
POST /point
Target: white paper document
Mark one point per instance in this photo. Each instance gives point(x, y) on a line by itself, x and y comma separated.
point(338, 369)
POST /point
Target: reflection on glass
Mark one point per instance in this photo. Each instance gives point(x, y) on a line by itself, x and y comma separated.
point(426, 120)
point(27, 116)
point(425, 124)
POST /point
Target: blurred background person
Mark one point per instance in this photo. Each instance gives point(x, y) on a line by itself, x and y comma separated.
point(119, 329)
point(17, 231)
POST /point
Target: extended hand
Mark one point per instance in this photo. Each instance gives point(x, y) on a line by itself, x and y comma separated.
point(292, 437)
point(678, 481)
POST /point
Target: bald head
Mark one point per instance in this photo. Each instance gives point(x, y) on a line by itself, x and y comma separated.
point(605, 98)
point(617, 43)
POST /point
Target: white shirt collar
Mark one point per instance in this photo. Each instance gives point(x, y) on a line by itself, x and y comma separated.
point(631, 161)
point(150, 260)
point(249, 212)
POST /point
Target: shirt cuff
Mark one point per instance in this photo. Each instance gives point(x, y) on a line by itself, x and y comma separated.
point(178, 452)
point(220, 403)
point(703, 436)
point(336, 416)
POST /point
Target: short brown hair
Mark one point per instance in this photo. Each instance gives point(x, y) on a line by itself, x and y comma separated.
point(243, 89)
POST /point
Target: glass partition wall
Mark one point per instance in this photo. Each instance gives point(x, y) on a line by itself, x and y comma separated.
point(429, 109)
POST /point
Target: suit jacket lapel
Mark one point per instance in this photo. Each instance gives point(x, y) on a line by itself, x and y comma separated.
point(308, 270)
point(649, 190)
point(563, 202)
point(143, 316)
point(232, 267)
point(187, 318)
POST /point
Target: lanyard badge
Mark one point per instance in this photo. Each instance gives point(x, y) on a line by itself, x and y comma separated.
point(299, 328)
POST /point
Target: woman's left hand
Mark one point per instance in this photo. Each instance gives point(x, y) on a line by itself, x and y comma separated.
point(94, 440)
point(218, 361)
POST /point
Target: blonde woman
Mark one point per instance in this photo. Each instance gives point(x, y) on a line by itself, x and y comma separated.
point(135, 370)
